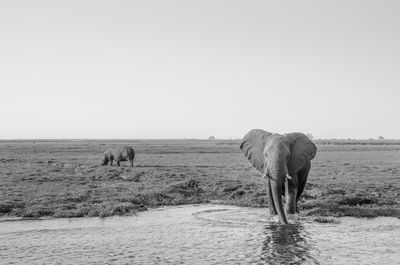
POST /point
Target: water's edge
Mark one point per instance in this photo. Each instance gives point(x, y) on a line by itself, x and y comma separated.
point(216, 203)
point(198, 234)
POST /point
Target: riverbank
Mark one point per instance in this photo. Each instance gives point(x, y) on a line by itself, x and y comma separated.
point(64, 179)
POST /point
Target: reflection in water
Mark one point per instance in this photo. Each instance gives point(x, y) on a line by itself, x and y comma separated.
point(206, 234)
point(286, 244)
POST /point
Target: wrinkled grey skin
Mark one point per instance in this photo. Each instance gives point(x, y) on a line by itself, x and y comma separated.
point(285, 161)
point(123, 153)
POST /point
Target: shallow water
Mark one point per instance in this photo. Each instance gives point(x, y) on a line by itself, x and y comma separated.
point(200, 234)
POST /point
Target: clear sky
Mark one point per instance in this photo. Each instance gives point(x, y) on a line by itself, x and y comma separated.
point(191, 69)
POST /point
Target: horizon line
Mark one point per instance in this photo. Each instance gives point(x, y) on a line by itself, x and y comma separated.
point(175, 139)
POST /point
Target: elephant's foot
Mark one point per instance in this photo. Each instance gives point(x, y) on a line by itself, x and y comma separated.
point(275, 218)
point(292, 217)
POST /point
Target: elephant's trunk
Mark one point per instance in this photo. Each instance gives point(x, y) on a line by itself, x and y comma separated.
point(276, 188)
point(277, 170)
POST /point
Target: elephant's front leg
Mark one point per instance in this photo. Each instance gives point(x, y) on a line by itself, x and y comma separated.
point(302, 180)
point(291, 188)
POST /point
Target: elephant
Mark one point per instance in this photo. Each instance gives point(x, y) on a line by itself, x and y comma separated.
point(123, 153)
point(285, 161)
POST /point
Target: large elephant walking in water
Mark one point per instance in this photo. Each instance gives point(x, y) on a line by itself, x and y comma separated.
point(284, 160)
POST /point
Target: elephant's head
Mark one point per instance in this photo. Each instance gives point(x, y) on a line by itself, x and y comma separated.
point(277, 157)
point(104, 161)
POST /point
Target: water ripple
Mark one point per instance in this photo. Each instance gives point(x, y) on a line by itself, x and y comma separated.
point(206, 234)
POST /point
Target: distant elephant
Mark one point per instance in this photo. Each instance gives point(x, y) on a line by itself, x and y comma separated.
point(284, 160)
point(123, 153)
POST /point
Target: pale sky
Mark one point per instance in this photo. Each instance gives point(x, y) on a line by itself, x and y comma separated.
point(191, 69)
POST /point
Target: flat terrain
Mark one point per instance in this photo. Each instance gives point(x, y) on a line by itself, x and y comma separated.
point(65, 179)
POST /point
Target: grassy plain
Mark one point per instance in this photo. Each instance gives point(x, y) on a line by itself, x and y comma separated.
point(65, 179)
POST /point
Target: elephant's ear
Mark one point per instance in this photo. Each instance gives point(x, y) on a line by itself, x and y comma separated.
point(253, 145)
point(302, 150)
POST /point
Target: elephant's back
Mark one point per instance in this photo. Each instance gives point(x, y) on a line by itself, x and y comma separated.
point(124, 153)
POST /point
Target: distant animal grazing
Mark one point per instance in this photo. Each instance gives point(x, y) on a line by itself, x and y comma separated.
point(123, 153)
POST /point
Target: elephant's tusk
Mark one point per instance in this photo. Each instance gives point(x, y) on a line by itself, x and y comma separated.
point(289, 177)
